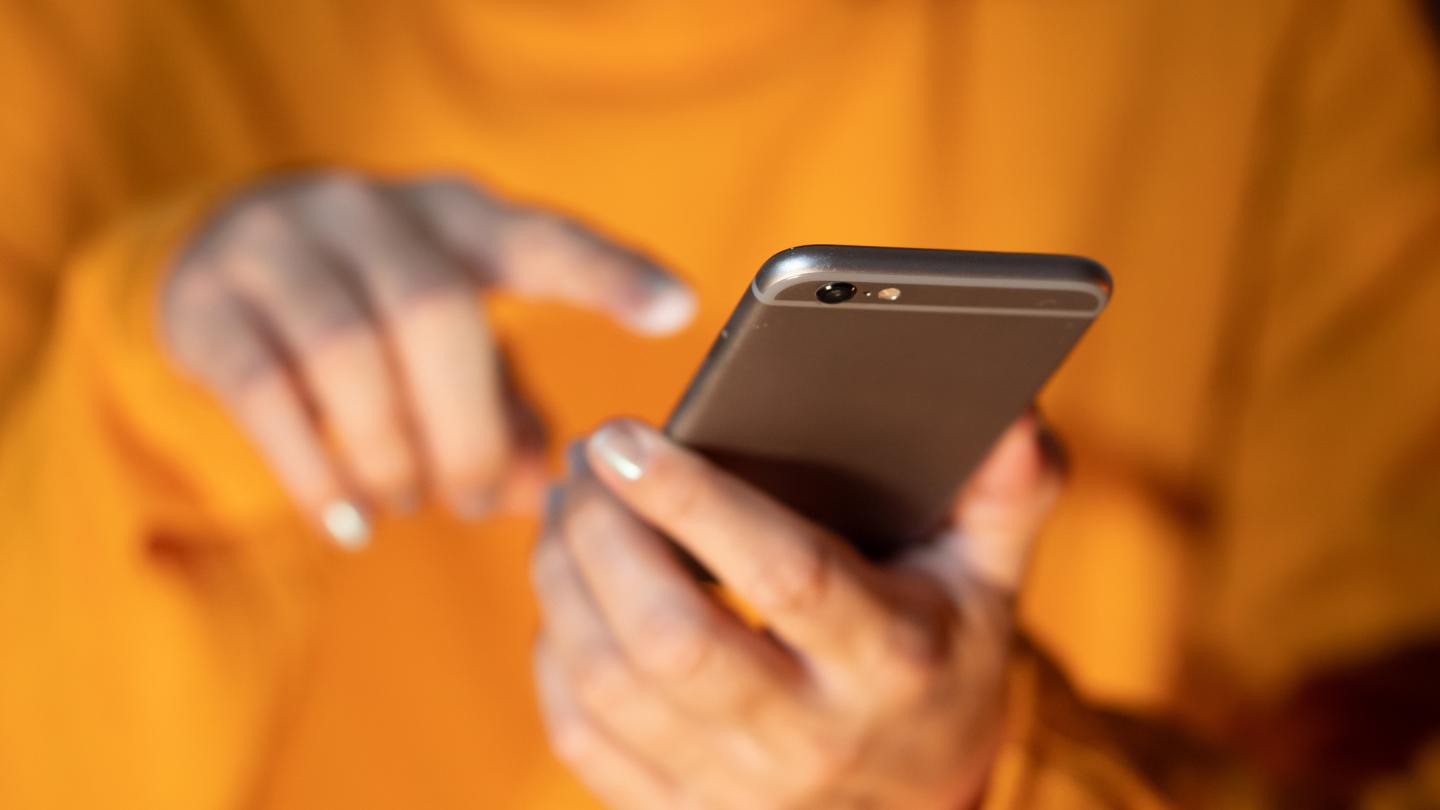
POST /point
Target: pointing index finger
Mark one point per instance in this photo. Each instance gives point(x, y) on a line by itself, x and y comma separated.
point(545, 255)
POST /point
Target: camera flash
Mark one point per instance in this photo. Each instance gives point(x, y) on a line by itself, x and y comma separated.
point(889, 294)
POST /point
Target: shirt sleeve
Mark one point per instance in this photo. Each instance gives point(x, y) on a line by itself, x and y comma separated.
point(1057, 752)
point(154, 585)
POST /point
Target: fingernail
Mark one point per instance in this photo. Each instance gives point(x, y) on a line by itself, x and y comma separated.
point(621, 447)
point(667, 309)
point(347, 525)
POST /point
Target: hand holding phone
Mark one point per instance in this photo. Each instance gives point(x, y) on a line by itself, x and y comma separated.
point(822, 403)
point(848, 683)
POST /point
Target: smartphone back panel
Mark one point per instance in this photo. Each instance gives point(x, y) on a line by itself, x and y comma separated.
point(868, 414)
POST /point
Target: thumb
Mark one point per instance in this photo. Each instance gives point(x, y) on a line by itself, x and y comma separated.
point(1001, 510)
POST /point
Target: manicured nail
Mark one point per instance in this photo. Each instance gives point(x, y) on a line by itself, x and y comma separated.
point(667, 309)
point(347, 525)
point(621, 447)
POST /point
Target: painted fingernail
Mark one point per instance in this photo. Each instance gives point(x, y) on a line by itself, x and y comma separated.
point(667, 309)
point(347, 525)
point(622, 448)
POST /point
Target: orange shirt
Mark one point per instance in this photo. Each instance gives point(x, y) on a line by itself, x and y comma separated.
point(1253, 422)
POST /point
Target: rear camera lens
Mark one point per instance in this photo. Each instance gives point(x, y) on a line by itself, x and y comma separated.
point(835, 292)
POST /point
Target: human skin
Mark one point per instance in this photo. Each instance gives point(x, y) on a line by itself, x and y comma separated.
point(336, 317)
point(848, 684)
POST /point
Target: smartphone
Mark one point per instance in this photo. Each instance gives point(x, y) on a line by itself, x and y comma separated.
point(862, 385)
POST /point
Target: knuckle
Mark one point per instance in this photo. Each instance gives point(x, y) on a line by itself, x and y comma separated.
point(795, 580)
point(261, 221)
point(823, 760)
point(240, 368)
point(346, 190)
point(455, 199)
point(428, 286)
point(372, 423)
point(467, 217)
point(482, 467)
point(601, 676)
point(330, 353)
point(539, 234)
point(572, 738)
point(673, 642)
point(326, 315)
point(220, 348)
point(347, 207)
point(909, 660)
point(193, 298)
point(588, 519)
point(549, 568)
point(685, 493)
point(281, 274)
point(480, 450)
point(448, 185)
point(382, 458)
point(198, 257)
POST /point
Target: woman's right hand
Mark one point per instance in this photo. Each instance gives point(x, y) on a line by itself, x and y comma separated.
point(338, 319)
